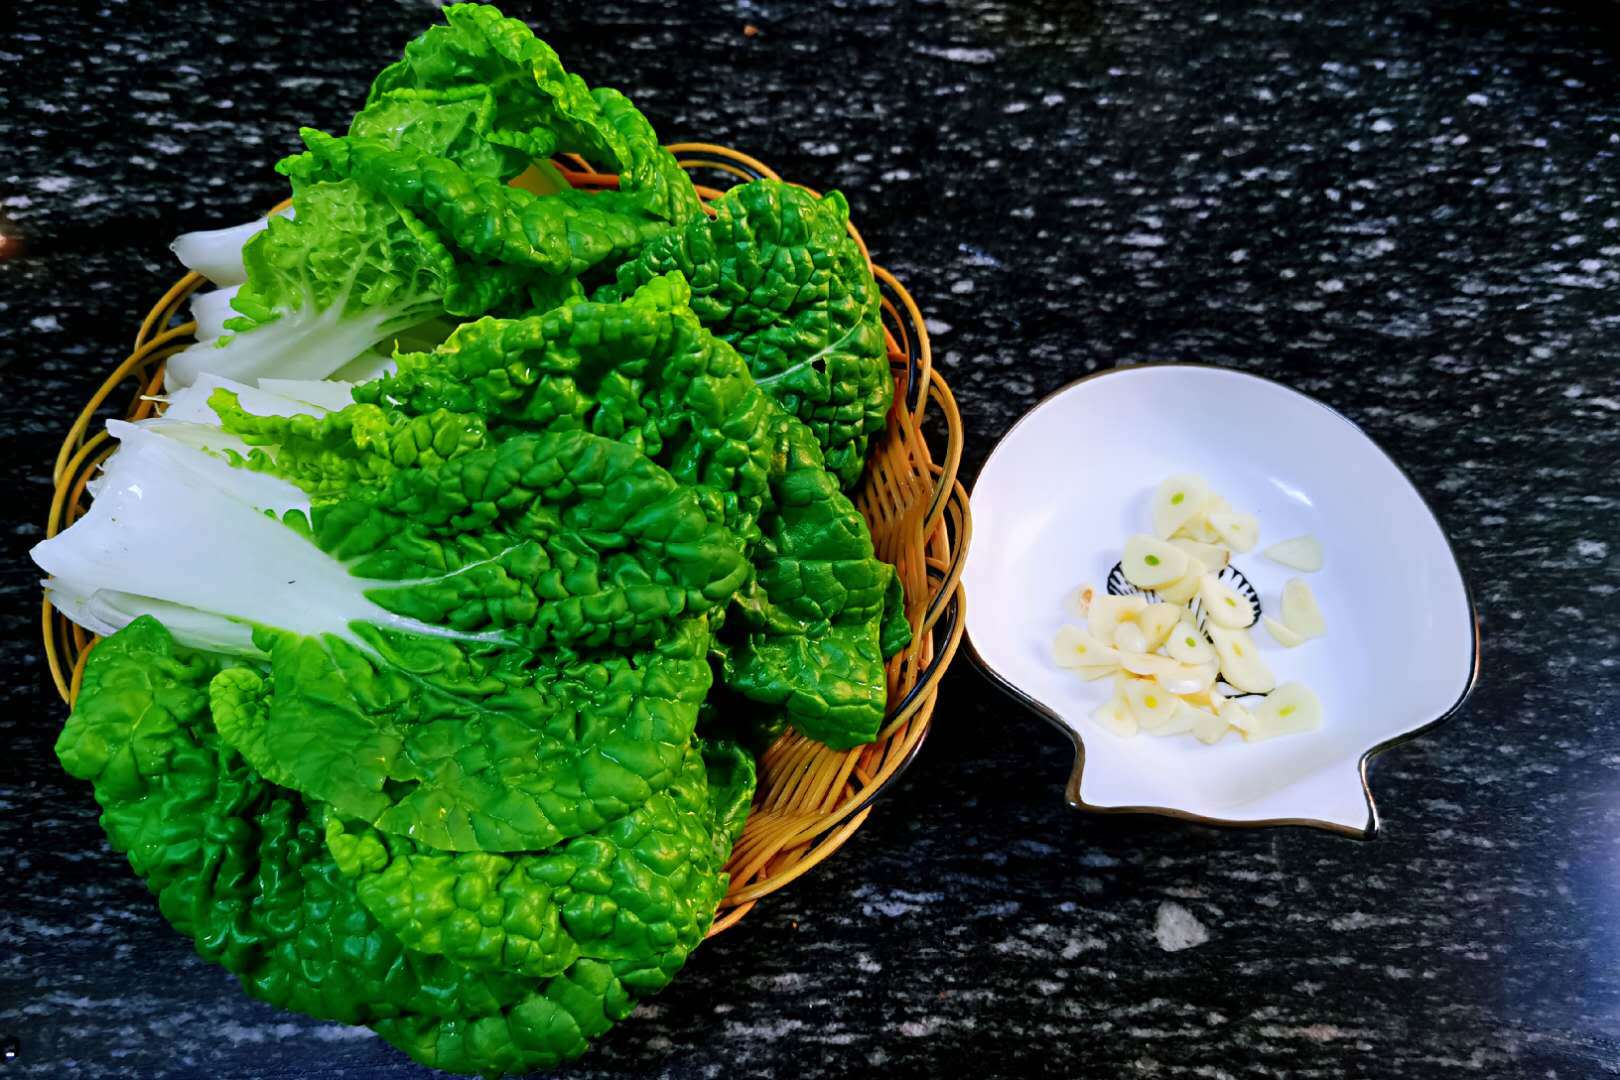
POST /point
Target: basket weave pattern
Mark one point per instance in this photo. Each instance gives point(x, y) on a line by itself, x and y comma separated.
point(810, 799)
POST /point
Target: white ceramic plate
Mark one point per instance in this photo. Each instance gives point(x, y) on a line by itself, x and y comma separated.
point(1061, 492)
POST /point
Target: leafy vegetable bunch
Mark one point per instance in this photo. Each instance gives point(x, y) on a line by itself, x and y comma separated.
point(488, 526)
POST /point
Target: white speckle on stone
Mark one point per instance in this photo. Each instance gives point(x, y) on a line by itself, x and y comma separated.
point(1240, 255)
point(1477, 99)
point(1459, 140)
point(1015, 106)
point(956, 54)
point(822, 149)
point(1592, 549)
point(1262, 94)
point(1175, 928)
point(937, 326)
point(1381, 125)
point(54, 185)
point(1144, 240)
point(867, 965)
point(1591, 266)
point(1054, 98)
point(1331, 285)
point(1333, 194)
point(1574, 390)
point(45, 323)
point(961, 286)
point(897, 174)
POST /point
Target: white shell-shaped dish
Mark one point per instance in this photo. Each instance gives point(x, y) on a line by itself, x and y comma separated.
point(1061, 492)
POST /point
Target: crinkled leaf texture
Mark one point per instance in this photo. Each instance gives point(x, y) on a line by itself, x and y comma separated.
point(434, 641)
point(776, 274)
point(410, 216)
point(822, 611)
point(406, 699)
point(243, 867)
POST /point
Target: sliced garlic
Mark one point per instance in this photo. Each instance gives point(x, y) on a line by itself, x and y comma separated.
point(1204, 699)
point(1149, 703)
point(1281, 634)
point(1241, 664)
point(1180, 721)
point(1149, 562)
point(1199, 529)
point(1184, 589)
point(1289, 709)
point(1300, 553)
point(1108, 611)
point(1187, 678)
point(1176, 500)
point(1299, 611)
point(1224, 604)
point(1240, 532)
point(1093, 672)
point(1073, 647)
point(1116, 716)
point(1156, 621)
point(1208, 728)
point(1077, 601)
point(1232, 712)
point(1128, 637)
point(1213, 556)
point(1188, 644)
point(1176, 678)
point(1145, 665)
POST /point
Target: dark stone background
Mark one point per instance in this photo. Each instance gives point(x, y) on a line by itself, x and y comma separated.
point(1407, 209)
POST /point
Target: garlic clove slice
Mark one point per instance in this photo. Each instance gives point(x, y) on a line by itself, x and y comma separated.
point(1240, 532)
point(1107, 612)
point(1241, 664)
point(1225, 605)
point(1150, 562)
point(1299, 611)
point(1300, 553)
point(1288, 710)
point(1176, 500)
point(1281, 634)
point(1073, 647)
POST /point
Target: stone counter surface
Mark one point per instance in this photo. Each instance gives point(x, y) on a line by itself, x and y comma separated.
point(1410, 210)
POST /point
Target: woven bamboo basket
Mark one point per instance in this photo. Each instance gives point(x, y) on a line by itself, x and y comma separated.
point(811, 799)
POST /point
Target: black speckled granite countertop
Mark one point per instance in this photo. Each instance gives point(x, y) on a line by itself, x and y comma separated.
point(1408, 209)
